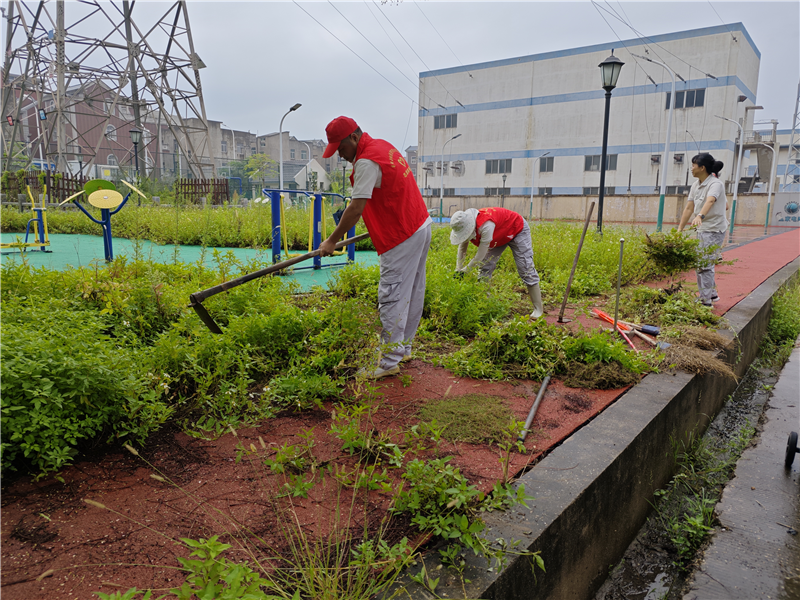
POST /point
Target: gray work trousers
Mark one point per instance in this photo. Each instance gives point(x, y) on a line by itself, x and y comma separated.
point(705, 273)
point(401, 295)
point(522, 249)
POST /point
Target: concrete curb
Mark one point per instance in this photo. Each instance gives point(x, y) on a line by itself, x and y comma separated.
point(593, 492)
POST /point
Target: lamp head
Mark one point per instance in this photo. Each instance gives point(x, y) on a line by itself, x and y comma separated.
point(295, 107)
point(136, 136)
point(609, 71)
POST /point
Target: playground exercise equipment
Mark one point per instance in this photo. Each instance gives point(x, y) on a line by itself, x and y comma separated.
point(39, 220)
point(196, 299)
point(103, 194)
point(317, 228)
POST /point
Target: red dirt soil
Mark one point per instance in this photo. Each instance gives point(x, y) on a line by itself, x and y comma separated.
point(47, 526)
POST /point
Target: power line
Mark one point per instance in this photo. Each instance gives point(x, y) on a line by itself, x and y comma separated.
point(644, 37)
point(414, 83)
point(440, 36)
point(373, 45)
point(353, 51)
point(421, 60)
point(721, 21)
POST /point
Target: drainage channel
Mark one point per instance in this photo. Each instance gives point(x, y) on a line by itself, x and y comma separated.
point(652, 567)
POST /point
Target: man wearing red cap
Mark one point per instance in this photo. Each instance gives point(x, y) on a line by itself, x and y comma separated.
point(385, 193)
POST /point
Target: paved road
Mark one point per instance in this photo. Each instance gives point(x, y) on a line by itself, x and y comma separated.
point(755, 553)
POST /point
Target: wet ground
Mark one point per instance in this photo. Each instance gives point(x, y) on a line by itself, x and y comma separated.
point(649, 571)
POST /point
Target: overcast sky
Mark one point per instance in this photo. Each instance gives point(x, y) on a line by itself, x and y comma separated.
point(264, 56)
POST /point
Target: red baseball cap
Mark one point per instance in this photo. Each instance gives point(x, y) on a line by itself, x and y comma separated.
point(337, 130)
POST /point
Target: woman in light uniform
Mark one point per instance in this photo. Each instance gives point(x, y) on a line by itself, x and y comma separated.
point(706, 206)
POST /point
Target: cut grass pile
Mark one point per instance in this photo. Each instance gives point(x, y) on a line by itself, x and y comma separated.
point(474, 418)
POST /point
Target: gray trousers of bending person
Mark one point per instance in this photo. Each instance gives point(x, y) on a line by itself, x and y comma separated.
point(522, 248)
point(705, 274)
point(401, 295)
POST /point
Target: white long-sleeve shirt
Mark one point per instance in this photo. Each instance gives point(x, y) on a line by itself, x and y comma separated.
point(486, 232)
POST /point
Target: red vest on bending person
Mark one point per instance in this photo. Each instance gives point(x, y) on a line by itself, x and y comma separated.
point(507, 224)
point(396, 210)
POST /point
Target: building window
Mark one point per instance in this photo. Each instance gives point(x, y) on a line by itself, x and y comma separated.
point(303, 155)
point(252, 150)
point(682, 190)
point(545, 191)
point(445, 121)
point(496, 191)
point(546, 164)
point(291, 154)
point(687, 99)
point(263, 143)
point(225, 146)
point(239, 148)
point(112, 160)
point(594, 191)
point(502, 165)
point(109, 106)
point(413, 160)
point(111, 133)
point(592, 163)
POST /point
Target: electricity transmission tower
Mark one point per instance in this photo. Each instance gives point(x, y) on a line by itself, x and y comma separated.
point(793, 163)
point(65, 76)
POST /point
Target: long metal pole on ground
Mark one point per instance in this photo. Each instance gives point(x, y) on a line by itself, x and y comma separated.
point(619, 281)
point(574, 265)
point(529, 421)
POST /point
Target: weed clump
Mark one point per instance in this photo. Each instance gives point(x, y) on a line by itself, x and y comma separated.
point(599, 375)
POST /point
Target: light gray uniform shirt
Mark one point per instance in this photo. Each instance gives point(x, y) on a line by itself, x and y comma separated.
point(715, 220)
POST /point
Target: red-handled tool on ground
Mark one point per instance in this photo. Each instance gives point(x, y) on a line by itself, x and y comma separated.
point(620, 327)
point(196, 299)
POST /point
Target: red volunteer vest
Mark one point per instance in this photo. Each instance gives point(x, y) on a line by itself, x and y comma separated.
point(396, 210)
point(507, 224)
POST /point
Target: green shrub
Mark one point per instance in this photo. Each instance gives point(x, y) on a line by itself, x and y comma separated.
point(64, 383)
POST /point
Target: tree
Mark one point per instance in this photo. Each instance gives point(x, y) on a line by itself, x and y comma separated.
point(335, 177)
point(261, 166)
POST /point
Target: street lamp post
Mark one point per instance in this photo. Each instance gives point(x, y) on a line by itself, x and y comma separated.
point(233, 143)
point(136, 137)
point(280, 140)
point(503, 192)
point(609, 72)
point(771, 183)
point(738, 163)
point(441, 187)
point(664, 161)
point(80, 163)
point(308, 159)
point(533, 176)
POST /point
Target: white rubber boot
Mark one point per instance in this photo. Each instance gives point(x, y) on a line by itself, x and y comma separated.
point(536, 297)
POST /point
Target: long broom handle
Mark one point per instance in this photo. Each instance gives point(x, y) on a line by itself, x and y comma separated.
point(575, 263)
point(222, 287)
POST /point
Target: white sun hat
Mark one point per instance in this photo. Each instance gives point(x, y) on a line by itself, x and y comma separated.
point(462, 225)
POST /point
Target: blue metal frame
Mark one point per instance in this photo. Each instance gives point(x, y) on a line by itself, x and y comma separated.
point(275, 196)
point(39, 218)
point(105, 223)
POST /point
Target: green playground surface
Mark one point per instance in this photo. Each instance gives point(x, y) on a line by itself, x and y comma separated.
point(83, 250)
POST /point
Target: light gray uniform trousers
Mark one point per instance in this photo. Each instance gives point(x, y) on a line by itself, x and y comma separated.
point(401, 295)
point(522, 248)
point(705, 273)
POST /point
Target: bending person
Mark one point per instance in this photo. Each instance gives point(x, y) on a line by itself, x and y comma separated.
point(385, 193)
point(706, 207)
point(493, 230)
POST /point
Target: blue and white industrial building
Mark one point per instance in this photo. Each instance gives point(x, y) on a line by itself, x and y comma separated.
point(509, 113)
